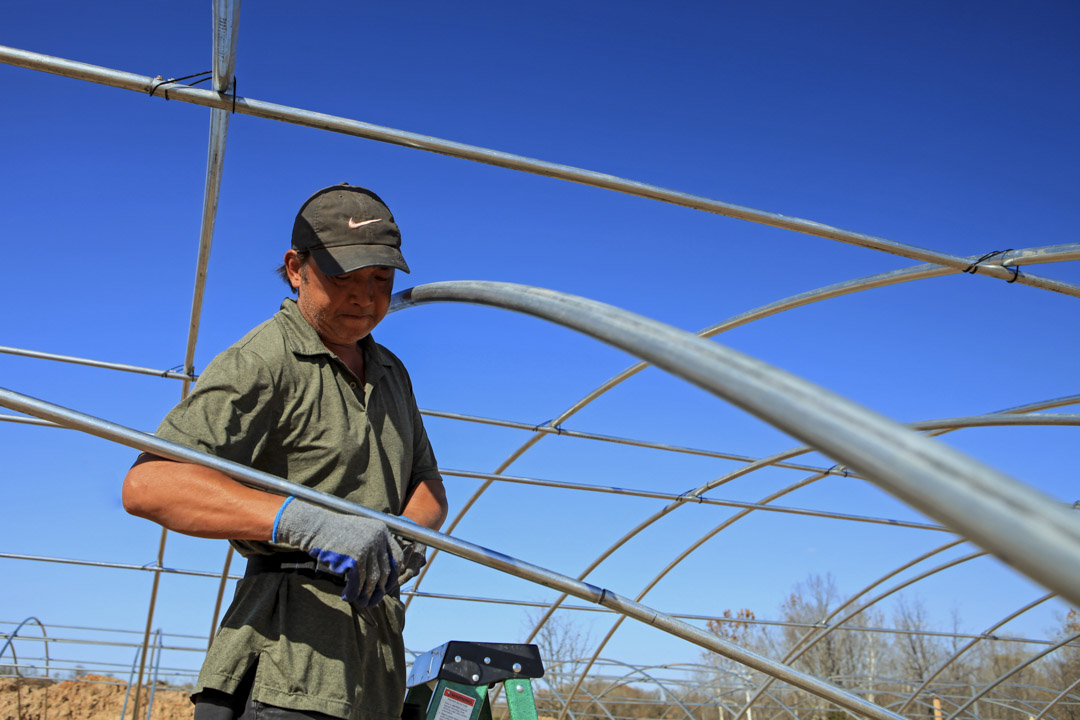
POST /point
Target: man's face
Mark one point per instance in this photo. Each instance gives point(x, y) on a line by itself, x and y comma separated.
point(341, 308)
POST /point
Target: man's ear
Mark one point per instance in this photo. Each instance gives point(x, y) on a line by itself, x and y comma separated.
point(293, 268)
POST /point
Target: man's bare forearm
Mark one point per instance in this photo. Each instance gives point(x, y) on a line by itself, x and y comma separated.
point(199, 501)
point(426, 505)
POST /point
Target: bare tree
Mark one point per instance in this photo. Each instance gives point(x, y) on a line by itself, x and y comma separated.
point(730, 678)
point(564, 649)
point(836, 656)
point(917, 653)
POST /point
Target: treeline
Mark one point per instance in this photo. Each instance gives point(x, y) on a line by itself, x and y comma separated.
point(899, 662)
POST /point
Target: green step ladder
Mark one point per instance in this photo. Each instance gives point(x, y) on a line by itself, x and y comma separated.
point(451, 682)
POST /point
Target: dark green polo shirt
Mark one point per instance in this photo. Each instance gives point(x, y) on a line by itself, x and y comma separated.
point(280, 401)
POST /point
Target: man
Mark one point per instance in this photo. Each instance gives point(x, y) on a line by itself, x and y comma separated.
point(314, 630)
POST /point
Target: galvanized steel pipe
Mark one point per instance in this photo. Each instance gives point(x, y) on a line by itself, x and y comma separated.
point(469, 551)
point(322, 121)
point(1020, 525)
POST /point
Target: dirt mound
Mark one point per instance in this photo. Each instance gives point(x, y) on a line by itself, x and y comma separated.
point(91, 697)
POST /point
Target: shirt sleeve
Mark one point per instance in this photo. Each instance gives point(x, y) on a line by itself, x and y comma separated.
point(424, 465)
point(229, 412)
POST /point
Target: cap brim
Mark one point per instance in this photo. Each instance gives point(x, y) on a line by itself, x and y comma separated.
point(346, 258)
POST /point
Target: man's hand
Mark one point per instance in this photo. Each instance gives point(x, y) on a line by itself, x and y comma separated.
point(409, 558)
point(356, 547)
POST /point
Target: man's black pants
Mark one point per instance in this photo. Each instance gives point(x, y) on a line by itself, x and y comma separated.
point(216, 705)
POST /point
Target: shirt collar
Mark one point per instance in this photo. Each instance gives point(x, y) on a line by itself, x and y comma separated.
point(303, 340)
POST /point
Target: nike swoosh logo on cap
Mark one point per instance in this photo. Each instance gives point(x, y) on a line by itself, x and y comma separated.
point(354, 225)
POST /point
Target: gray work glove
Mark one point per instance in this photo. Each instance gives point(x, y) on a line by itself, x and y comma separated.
point(409, 558)
point(356, 547)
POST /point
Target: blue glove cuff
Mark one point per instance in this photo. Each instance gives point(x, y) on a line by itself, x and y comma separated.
point(277, 518)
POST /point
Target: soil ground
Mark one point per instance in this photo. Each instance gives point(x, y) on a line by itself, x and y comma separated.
point(91, 697)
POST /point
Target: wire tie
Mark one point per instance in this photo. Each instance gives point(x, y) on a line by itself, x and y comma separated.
point(153, 88)
point(974, 267)
point(690, 495)
point(176, 368)
point(548, 427)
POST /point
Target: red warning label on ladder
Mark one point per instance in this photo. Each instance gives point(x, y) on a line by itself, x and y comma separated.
point(454, 706)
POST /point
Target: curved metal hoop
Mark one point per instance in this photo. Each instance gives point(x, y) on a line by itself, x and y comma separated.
point(918, 272)
point(15, 633)
point(961, 493)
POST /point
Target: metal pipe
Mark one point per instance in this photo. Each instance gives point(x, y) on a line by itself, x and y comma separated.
point(919, 272)
point(219, 127)
point(149, 620)
point(617, 683)
point(1026, 529)
point(800, 648)
point(469, 551)
point(322, 121)
point(84, 627)
point(1058, 698)
point(15, 633)
point(548, 429)
point(226, 32)
point(938, 426)
point(153, 677)
point(647, 522)
point(113, 565)
point(685, 553)
point(1054, 253)
point(226, 25)
point(102, 643)
point(1050, 253)
point(94, 363)
point(499, 601)
point(768, 462)
point(28, 421)
point(973, 641)
point(1009, 673)
point(696, 500)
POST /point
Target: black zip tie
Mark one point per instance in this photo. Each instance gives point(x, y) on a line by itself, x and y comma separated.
point(544, 427)
point(974, 267)
point(177, 368)
point(234, 95)
point(153, 88)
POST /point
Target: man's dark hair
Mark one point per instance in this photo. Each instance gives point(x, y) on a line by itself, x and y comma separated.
point(303, 256)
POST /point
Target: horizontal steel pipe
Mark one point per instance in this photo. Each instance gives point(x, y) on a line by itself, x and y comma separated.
point(1021, 526)
point(693, 499)
point(548, 429)
point(28, 421)
point(356, 128)
point(530, 604)
point(93, 363)
point(461, 548)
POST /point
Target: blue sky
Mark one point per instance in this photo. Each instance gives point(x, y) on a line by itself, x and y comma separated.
point(949, 126)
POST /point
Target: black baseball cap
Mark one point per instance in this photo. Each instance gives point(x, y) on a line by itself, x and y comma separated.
point(346, 227)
